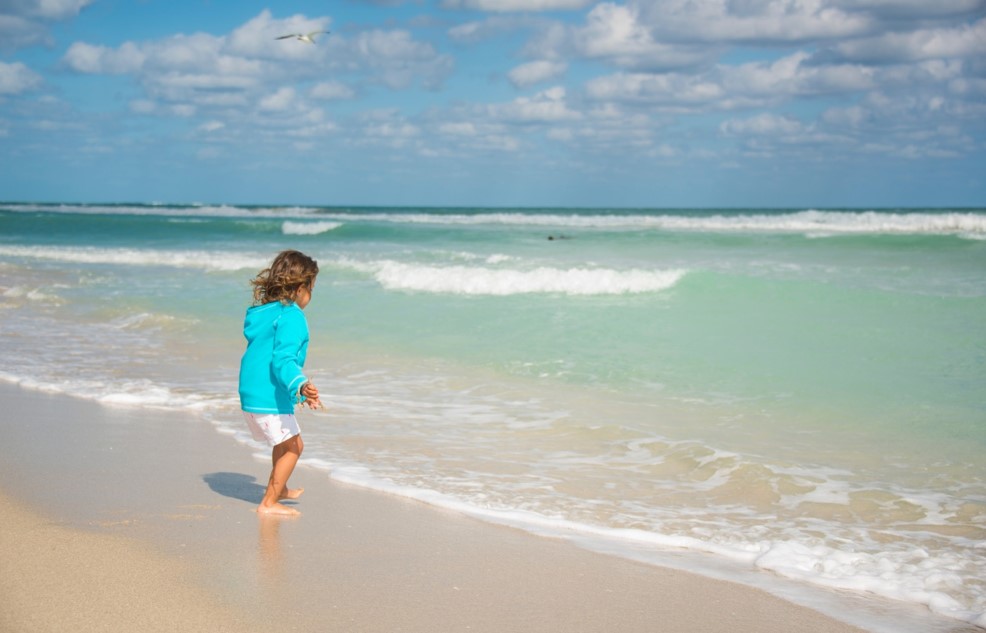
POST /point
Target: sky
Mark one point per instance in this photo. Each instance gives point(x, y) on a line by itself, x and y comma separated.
point(492, 103)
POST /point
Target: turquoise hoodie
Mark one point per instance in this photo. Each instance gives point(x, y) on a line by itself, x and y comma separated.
point(271, 368)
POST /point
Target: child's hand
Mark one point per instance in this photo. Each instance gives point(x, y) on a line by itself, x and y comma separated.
point(310, 392)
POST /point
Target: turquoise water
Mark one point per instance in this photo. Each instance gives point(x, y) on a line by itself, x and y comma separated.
point(792, 391)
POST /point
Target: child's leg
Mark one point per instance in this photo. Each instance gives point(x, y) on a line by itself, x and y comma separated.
point(279, 450)
point(284, 456)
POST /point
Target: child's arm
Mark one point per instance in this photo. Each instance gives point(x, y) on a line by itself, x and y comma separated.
point(290, 333)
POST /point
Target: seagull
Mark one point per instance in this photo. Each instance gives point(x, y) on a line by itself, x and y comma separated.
point(304, 37)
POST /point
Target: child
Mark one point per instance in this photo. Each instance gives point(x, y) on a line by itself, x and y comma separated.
point(271, 377)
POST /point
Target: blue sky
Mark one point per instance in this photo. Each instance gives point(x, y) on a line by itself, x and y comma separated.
point(639, 103)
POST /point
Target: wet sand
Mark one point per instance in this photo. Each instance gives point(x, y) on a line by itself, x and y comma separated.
point(123, 519)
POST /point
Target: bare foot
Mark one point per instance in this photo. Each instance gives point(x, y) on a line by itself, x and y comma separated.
point(292, 494)
point(277, 509)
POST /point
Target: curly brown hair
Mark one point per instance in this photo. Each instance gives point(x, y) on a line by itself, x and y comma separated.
point(288, 273)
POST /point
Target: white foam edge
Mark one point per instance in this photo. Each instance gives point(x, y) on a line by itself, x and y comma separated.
point(308, 228)
point(140, 394)
point(204, 260)
point(480, 280)
point(869, 610)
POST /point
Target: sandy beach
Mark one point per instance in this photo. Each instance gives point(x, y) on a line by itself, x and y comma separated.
point(122, 519)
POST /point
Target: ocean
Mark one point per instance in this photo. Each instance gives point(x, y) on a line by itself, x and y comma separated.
point(790, 398)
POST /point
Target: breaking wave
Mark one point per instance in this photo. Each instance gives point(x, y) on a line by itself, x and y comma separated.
point(479, 280)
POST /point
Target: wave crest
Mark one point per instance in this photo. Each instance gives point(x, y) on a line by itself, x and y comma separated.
point(308, 228)
point(474, 280)
point(136, 257)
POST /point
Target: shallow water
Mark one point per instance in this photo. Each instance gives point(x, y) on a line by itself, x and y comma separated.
point(794, 391)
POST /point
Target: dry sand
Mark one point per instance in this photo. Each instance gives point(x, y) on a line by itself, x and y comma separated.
point(124, 519)
point(61, 579)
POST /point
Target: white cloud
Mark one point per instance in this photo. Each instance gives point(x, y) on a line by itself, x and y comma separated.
point(16, 78)
point(615, 35)
point(898, 124)
point(765, 124)
point(492, 26)
point(385, 128)
point(198, 87)
point(208, 153)
point(613, 30)
point(664, 151)
point(932, 74)
point(143, 106)
point(393, 57)
point(55, 9)
point(464, 130)
point(897, 111)
point(552, 41)
point(44, 9)
point(17, 32)
point(668, 88)
point(25, 22)
point(851, 117)
point(561, 134)
point(86, 58)
point(795, 75)
point(331, 91)
point(968, 86)
point(468, 32)
point(210, 71)
point(967, 40)
point(398, 59)
point(318, 127)
point(754, 84)
point(183, 110)
point(536, 72)
point(647, 36)
point(751, 21)
point(211, 126)
point(461, 128)
point(382, 118)
point(190, 53)
point(258, 37)
point(610, 131)
point(61, 125)
point(393, 130)
point(517, 6)
point(912, 8)
point(500, 143)
point(545, 107)
point(280, 101)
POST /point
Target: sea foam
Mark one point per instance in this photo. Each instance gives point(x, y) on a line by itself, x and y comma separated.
point(915, 575)
point(479, 280)
point(136, 257)
point(308, 228)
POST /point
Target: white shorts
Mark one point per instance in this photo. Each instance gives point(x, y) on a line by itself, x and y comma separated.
point(272, 428)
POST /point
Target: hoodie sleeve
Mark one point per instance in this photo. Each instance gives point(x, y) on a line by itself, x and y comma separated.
point(290, 345)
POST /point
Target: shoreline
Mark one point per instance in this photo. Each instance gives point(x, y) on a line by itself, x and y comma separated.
point(119, 485)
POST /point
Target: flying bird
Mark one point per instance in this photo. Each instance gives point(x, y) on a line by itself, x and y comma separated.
point(304, 37)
